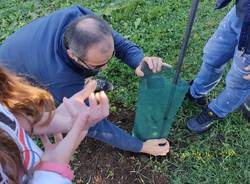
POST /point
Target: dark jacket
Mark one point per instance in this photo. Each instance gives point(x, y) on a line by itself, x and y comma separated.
point(222, 3)
point(240, 6)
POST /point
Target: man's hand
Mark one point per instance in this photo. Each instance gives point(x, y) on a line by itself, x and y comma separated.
point(154, 63)
point(247, 77)
point(156, 147)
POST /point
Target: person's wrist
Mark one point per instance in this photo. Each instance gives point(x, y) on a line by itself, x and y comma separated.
point(144, 148)
point(57, 123)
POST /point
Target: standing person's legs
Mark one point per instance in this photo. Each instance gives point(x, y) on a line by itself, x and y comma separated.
point(217, 52)
point(237, 88)
point(236, 91)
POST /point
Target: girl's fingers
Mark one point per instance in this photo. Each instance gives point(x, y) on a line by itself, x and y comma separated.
point(97, 97)
point(92, 100)
point(89, 88)
point(45, 140)
point(103, 98)
point(58, 137)
point(69, 107)
point(104, 104)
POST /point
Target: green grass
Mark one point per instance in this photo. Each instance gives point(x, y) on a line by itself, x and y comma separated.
point(220, 156)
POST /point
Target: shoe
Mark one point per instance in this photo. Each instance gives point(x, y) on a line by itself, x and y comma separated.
point(245, 108)
point(202, 101)
point(203, 121)
point(103, 85)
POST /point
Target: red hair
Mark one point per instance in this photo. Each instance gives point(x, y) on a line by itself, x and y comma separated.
point(25, 100)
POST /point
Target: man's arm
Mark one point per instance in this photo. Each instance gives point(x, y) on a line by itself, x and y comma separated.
point(127, 51)
point(133, 56)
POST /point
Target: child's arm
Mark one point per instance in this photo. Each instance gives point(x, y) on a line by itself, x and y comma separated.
point(56, 157)
point(61, 119)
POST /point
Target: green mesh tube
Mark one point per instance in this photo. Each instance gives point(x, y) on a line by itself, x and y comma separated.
point(157, 104)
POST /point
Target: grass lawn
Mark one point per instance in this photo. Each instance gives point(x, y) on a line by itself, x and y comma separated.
point(221, 155)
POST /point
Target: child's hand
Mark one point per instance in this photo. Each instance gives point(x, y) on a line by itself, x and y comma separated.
point(62, 150)
point(98, 108)
point(62, 120)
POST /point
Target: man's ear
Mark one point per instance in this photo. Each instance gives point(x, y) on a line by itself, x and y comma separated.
point(71, 54)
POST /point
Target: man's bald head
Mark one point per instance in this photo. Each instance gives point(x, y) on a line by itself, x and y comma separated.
point(85, 32)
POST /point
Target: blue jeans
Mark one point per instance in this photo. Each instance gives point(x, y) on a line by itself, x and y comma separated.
point(220, 48)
